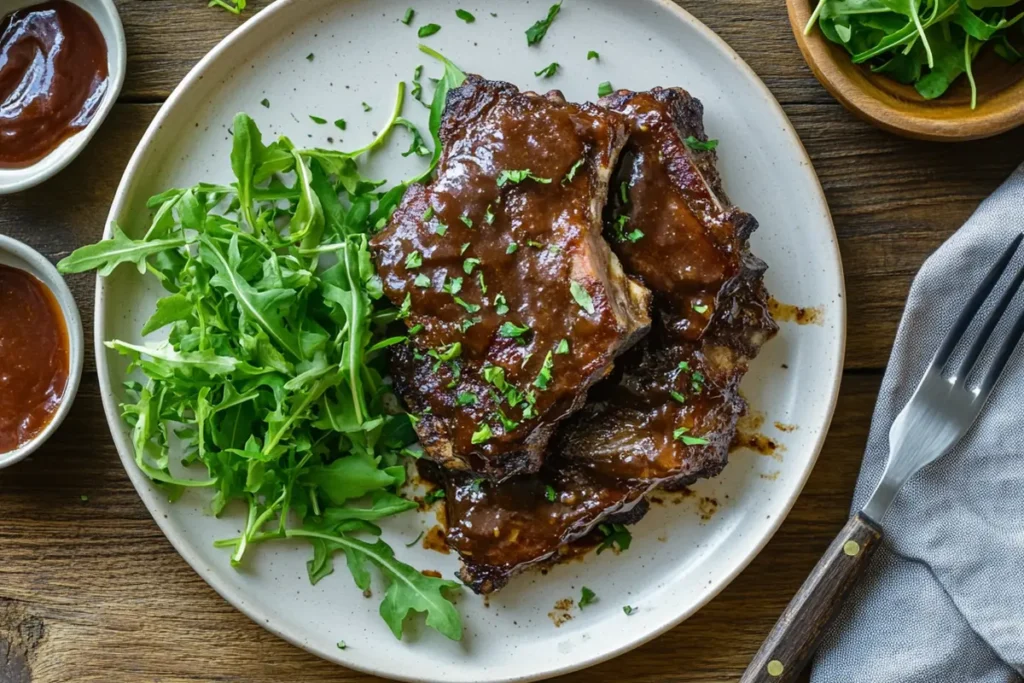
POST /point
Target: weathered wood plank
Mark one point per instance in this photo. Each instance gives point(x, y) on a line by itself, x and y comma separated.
point(115, 602)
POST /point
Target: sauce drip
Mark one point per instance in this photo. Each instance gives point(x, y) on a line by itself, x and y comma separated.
point(53, 75)
point(33, 357)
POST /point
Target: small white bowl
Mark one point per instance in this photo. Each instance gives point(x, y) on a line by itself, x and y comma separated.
point(17, 255)
point(109, 21)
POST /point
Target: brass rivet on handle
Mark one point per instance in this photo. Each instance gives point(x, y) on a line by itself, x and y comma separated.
point(851, 548)
point(775, 668)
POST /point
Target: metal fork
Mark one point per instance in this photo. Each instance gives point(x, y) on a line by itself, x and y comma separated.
point(938, 415)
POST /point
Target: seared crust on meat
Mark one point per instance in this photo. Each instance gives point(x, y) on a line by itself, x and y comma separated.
point(515, 302)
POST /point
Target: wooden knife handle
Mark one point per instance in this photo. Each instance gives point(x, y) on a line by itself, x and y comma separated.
point(799, 630)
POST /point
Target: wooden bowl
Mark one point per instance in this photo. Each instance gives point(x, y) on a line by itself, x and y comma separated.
point(899, 108)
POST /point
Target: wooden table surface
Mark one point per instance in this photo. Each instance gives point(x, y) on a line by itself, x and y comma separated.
point(92, 591)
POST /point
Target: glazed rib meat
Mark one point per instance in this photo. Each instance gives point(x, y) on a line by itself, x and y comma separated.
point(667, 416)
point(515, 303)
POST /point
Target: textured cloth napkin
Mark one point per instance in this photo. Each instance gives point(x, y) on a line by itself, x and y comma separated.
point(943, 600)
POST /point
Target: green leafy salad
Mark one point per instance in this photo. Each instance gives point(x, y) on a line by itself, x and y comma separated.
point(272, 374)
point(927, 43)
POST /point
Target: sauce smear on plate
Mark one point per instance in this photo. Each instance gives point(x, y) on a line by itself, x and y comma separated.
point(34, 357)
point(53, 74)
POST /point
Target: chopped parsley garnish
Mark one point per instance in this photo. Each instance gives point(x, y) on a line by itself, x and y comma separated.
point(428, 30)
point(616, 536)
point(482, 434)
point(700, 145)
point(550, 493)
point(465, 16)
point(511, 248)
point(367, 107)
point(512, 331)
point(593, 54)
point(415, 329)
point(471, 308)
point(440, 229)
point(477, 484)
point(489, 216)
point(582, 297)
point(409, 14)
point(702, 309)
point(500, 305)
point(624, 192)
point(341, 643)
point(507, 423)
point(468, 323)
point(450, 352)
point(698, 382)
point(467, 220)
point(433, 496)
point(677, 396)
point(466, 399)
point(495, 375)
point(634, 235)
point(563, 347)
point(428, 214)
point(469, 264)
point(317, 119)
point(453, 286)
point(265, 102)
point(572, 172)
point(406, 307)
point(413, 260)
point(535, 244)
point(630, 611)
point(421, 281)
point(463, 248)
point(587, 597)
point(536, 33)
point(417, 86)
point(341, 124)
point(480, 279)
point(548, 71)
point(310, 57)
point(544, 376)
point(519, 176)
point(604, 89)
point(681, 434)
point(683, 365)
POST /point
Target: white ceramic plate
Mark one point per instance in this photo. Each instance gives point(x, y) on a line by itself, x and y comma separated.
point(360, 50)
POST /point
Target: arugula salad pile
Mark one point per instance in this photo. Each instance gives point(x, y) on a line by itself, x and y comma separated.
point(272, 374)
point(927, 43)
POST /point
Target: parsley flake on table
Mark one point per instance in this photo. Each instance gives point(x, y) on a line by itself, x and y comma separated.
point(428, 30)
point(536, 33)
point(340, 124)
point(593, 54)
point(630, 611)
point(407, 17)
point(582, 297)
point(317, 120)
point(587, 597)
point(265, 102)
point(310, 57)
point(465, 16)
point(548, 71)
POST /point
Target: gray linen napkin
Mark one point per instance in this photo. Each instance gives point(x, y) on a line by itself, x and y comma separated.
point(943, 600)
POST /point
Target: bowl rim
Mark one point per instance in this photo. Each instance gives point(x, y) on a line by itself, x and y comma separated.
point(821, 60)
point(40, 267)
point(117, 58)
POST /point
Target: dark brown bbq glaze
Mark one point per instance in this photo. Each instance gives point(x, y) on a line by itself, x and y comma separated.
point(53, 74)
point(622, 444)
point(489, 128)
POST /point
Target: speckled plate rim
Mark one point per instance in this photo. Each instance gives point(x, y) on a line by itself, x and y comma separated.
point(265, 618)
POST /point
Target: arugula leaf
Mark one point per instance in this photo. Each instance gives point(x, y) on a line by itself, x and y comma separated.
point(107, 255)
point(536, 33)
point(453, 77)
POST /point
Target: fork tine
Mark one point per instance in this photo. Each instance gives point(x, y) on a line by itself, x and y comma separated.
point(1002, 356)
point(986, 332)
point(974, 305)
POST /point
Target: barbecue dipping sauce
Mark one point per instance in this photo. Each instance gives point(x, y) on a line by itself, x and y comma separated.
point(34, 357)
point(53, 74)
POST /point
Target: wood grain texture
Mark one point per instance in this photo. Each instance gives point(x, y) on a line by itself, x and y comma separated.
point(92, 591)
point(796, 635)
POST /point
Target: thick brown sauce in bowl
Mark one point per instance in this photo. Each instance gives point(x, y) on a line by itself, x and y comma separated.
point(53, 75)
point(34, 357)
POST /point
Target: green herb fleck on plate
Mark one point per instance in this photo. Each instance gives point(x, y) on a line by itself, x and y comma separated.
point(587, 597)
point(548, 71)
point(317, 120)
point(700, 145)
point(593, 54)
point(428, 30)
point(465, 16)
point(407, 17)
point(536, 33)
point(604, 89)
